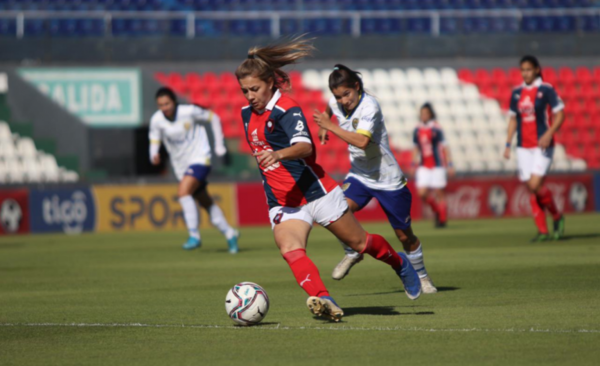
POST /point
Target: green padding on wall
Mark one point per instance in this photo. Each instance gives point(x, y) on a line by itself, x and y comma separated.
point(70, 162)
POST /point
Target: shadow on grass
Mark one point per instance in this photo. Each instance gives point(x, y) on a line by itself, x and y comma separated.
point(440, 289)
point(381, 310)
point(447, 288)
point(580, 236)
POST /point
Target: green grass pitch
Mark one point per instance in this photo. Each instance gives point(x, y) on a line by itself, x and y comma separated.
point(139, 299)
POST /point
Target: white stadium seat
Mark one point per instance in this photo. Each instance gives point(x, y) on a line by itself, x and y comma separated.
point(26, 147)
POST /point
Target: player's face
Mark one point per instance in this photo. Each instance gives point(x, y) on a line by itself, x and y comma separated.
point(425, 115)
point(347, 97)
point(529, 72)
point(166, 105)
point(257, 91)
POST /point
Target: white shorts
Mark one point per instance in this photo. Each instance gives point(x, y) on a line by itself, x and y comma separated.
point(533, 161)
point(324, 211)
point(431, 177)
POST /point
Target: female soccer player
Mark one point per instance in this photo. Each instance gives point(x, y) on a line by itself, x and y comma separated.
point(431, 147)
point(374, 171)
point(176, 125)
point(536, 113)
point(298, 191)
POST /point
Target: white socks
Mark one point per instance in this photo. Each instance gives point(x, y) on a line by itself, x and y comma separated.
point(190, 214)
point(416, 259)
point(217, 218)
point(349, 251)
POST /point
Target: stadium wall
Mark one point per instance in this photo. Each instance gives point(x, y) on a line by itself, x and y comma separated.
point(126, 208)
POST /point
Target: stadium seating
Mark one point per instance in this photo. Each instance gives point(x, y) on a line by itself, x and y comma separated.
point(468, 104)
point(86, 27)
point(21, 162)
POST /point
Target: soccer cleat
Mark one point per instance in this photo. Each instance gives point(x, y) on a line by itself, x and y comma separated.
point(192, 243)
point(559, 228)
point(409, 277)
point(343, 268)
point(325, 307)
point(540, 238)
point(427, 286)
point(233, 243)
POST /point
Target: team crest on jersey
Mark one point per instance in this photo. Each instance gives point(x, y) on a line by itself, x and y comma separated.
point(187, 125)
point(355, 123)
point(270, 126)
point(345, 186)
point(540, 95)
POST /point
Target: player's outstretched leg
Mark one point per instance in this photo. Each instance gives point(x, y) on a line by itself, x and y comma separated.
point(546, 201)
point(307, 275)
point(190, 215)
point(539, 217)
point(350, 259)
point(217, 218)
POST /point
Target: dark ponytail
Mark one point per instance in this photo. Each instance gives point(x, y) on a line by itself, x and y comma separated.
point(533, 61)
point(343, 76)
point(429, 107)
point(164, 91)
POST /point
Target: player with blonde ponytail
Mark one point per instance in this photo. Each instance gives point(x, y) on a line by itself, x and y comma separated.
point(298, 190)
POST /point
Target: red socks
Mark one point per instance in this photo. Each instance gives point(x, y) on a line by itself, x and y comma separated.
point(433, 204)
point(442, 211)
point(546, 201)
point(380, 249)
point(306, 273)
point(538, 214)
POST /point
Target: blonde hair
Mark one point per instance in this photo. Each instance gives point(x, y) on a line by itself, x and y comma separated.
point(266, 62)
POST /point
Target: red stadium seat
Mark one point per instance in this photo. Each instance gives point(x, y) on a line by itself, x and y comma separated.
point(514, 76)
point(549, 75)
point(465, 75)
point(566, 75)
point(482, 77)
point(583, 75)
point(161, 77)
point(499, 77)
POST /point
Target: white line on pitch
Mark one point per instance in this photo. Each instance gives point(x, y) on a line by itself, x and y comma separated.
point(279, 327)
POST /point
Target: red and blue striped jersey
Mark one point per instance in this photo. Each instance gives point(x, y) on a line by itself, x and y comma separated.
point(429, 138)
point(289, 183)
point(533, 106)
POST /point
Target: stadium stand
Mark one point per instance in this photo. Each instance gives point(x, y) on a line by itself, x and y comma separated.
point(21, 162)
point(92, 26)
point(469, 107)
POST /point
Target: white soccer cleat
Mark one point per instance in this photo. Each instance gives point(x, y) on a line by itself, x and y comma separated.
point(427, 286)
point(343, 268)
point(325, 307)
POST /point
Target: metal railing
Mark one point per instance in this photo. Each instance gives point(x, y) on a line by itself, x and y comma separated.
point(275, 17)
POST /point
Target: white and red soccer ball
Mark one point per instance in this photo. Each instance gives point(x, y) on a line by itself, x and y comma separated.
point(247, 303)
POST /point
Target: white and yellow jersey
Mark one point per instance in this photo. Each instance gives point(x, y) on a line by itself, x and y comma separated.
point(184, 138)
point(375, 166)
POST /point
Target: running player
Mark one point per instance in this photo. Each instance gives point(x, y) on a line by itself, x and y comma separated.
point(536, 113)
point(374, 172)
point(298, 191)
point(176, 125)
point(431, 147)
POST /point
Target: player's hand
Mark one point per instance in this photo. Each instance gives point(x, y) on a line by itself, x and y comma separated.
point(506, 153)
point(267, 158)
point(545, 140)
point(322, 119)
point(323, 136)
point(220, 150)
point(451, 171)
point(156, 159)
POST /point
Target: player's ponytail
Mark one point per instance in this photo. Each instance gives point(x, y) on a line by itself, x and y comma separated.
point(266, 62)
point(534, 62)
point(344, 76)
point(164, 91)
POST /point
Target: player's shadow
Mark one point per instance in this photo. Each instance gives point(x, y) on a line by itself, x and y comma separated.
point(440, 289)
point(380, 310)
point(580, 236)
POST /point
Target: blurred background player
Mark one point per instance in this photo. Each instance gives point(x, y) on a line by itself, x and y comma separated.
point(536, 114)
point(428, 155)
point(298, 190)
point(177, 126)
point(374, 172)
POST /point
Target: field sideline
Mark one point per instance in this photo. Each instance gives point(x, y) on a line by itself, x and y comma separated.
point(138, 299)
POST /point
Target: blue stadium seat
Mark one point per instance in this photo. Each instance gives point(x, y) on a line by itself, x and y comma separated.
point(8, 27)
point(34, 27)
point(419, 25)
point(211, 28)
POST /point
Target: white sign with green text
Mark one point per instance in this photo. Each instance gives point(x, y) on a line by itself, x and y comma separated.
point(102, 97)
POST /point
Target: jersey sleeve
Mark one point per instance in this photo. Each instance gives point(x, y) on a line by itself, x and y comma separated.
point(295, 126)
point(154, 133)
point(554, 100)
point(416, 137)
point(368, 120)
point(201, 114)
point(512, 106)
point(440, 136)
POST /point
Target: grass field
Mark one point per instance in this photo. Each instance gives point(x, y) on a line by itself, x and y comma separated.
point(138, 299)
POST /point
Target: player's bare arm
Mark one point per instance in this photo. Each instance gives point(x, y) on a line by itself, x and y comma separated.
point(512, 128)
point(299, 150)
point(546, 139)
point(324, 122)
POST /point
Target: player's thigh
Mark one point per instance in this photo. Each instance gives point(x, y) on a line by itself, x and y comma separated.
point(188, 185)
point(291, 235)
point(357, 195)
point(397, 205)
point(535, 182)
point(349, 231)
point(525, 162)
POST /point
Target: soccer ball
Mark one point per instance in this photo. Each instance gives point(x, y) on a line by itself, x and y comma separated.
point(247, 303)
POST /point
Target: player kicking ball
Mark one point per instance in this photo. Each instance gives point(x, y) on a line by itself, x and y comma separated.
point(177, 126)
point(374, 172)
point(298, 190)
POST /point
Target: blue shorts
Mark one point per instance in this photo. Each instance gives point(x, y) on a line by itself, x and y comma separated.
point(395, 204)
point(199, 172)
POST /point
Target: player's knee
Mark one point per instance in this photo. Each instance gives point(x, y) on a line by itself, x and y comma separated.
point(406, 239)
